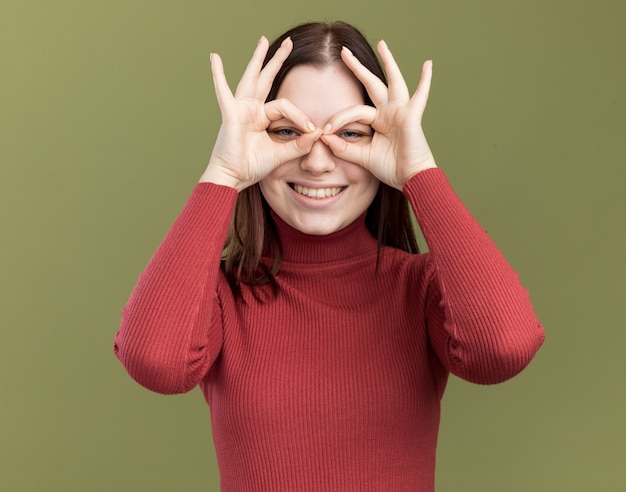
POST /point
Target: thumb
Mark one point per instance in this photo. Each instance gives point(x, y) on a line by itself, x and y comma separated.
point(298, 147)
point(356, 154)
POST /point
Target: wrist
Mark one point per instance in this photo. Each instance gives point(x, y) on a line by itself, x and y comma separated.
point(213, 174)
point(421, 169)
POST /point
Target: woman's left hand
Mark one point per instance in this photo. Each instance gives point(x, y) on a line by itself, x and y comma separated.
point(398, 149)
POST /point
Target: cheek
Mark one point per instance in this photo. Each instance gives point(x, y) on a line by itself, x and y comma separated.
point(365, 192)
point(267, 190)
point(373, 185)
point(275, 193)
point(359, 176)
point(372, 189)
point(272, 182)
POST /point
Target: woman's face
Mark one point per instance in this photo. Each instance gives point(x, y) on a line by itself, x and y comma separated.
point(320, 193)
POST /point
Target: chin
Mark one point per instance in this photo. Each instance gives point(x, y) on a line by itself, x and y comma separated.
point(317, 226)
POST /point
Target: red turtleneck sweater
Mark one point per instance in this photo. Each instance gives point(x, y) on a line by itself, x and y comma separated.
point(335, 385)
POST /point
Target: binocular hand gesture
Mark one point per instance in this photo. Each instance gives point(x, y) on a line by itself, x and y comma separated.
point(244, 153)
point(398, 149)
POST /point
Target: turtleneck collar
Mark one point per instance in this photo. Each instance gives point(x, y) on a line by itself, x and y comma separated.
point(350, 242)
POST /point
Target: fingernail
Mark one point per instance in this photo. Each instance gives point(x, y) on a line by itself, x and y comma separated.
point(211, 57)
point(285, 41)
point(311, 127)
point(327, 129)
point(347, 50)
point(260, 40)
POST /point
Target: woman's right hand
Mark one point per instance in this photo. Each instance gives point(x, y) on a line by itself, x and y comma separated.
point(244, 153)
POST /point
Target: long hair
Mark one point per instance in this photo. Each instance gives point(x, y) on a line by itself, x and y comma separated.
point(253, 252)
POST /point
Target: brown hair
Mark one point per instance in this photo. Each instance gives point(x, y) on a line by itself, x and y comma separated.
point(253, 252)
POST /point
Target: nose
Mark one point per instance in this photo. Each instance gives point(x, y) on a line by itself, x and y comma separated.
point(319, 161)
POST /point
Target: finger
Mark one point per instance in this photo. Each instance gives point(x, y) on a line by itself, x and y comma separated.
point(222, 91)
point(420, 98)
point(354, 114)
point(398, 90)
point(296, 148)
point(282, 108)
point(358, 154)
point(375, 87)
point(248, 82)
point(267, 75)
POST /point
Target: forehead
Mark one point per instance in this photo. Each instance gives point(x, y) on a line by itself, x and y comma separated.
point(320, 92)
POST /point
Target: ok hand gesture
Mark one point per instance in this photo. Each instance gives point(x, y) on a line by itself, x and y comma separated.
point(244, 153)
point(398, 149)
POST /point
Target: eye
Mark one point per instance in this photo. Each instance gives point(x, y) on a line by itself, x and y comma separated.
point(353, 135)
point(350, 135)
point(283, 133)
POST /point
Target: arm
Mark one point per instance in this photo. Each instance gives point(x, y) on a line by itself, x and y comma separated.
point(166, 340)
point(171, 329)
point(481, 323)
point(480, 320)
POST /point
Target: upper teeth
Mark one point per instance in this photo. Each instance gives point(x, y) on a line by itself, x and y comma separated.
point(316, 192)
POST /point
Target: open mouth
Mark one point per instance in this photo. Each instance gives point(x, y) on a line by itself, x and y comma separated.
point(316, 193)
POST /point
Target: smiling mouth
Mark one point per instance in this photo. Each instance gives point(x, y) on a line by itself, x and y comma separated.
point(316, 193)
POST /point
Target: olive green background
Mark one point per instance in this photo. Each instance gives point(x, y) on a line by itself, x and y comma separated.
point(107, 118)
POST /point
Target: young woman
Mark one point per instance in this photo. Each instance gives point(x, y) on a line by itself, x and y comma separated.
point(321, 339)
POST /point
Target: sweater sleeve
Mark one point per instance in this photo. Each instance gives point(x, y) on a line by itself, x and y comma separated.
point(480, 320)
point(168, 339)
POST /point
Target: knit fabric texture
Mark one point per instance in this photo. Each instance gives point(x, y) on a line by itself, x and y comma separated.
point(336, 383)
